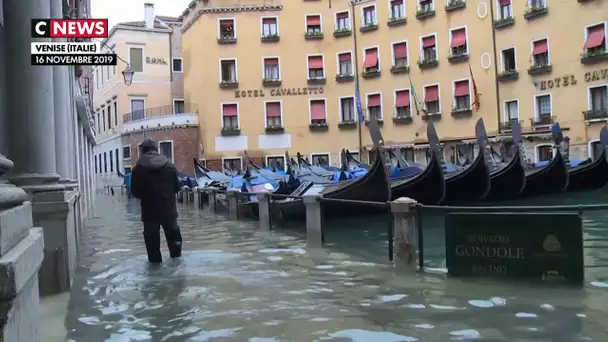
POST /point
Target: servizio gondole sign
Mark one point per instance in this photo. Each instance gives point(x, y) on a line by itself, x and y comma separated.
point(277, 92)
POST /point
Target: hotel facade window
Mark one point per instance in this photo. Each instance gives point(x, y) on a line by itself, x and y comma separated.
point(116, 157)
point(544, 153)
point(226, 29)
point(509, 62)
point(138, 110)
point(596, 40)
point(270, 27)
point(115, 113)
point(397, 10)
point(166, 149)
point(505, 10)
point(103, 118)
point(342, 21)
point(177, 64)
point(318, 114)
point(462, 97)
point(320, 159)
point(228, 71)
point(313, 25)
point(371, 62)
point(277, 162)
point(109, 116)
point(431, 99)
point(540, 53)
point(369, 16)
point(345, 64)
point(459, 42)
point(534, 4)
point(426, 6)
point(315, 68)
point(374, 106)
point(271, 69)
point(230, 116)
point(347, 109)
point(136, 59)
point(400, 55)
point(273, 115)
point(511, 110)
point(599, 101)
point(105, 162)
point(402, 104)
point(232, 164)
point(179, 107)
point(429, 49)
point(126, 152)
point(543, 110)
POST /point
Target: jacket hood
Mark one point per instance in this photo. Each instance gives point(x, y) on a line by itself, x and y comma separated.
point(152, 160)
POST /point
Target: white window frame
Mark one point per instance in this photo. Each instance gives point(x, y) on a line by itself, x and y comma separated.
point(174, 100)
point(536, 116)
point(307, 67)
point(373, 4)
point(238, 113)
point(544, 2)
point(231, 158)
point(353, 152)
point(466, 34)
point(328, 154)
point(536, 160)
point(264, 58)
point(419, 7)
point(131, 98)
point(219, 27)
point(310, 108)
point(407, 50)
point(377, 47)
point(143, 55)
point(172, 148)
point(548, 48)
point(590, 100)
point(395, 99)
point(505, 106)
point(352, 63)
point(421, 38)
point(390, 9)
point(502, 58)
point(276, 156)
point(312, 15)
point(266, 112)
point(236, 67)
point(498, 13)
point(182, 64)
point(367, 95)
point(468, 79)
point(586, 30)
point(262, 24)
point(590, 148)
point(355, 114)
point(350, 19)
point(123, 152)
point(438, 94)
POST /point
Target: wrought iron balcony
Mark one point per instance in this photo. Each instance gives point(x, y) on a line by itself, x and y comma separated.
point(543, 120)
point(159, 111)
point(596, 114)
point(508, 125)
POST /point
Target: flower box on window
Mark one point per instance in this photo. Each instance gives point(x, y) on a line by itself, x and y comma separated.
point(345, 78)
point(229, 132)
point(317, 81)
point(371, 73)
point(402, 119)
point(509, 75)
point(425, 13)
point(462, 112)
point(455, 4)
point(313, 35)
point(379, 121)
point(368, 27)
point(594, 57)
point(352, 124)
point(430, 116)
point(400, 69)
point(396, 21)
point(342, 33)
point(271, 83)
point(504, 22)
point(275, 129)
point(535, 12)
point(226, 40)
point(318, 127)
point(428, 63)
point(540, 69)
point(271, 38)
point(229, 84)
point(458, 57)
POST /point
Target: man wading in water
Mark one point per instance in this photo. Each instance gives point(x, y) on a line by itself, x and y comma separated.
point(155, 182)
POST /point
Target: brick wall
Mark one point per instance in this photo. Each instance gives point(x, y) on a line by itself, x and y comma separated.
point(185, 144)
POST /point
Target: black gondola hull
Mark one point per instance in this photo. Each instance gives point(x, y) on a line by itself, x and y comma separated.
point(590, 176)
point(509, 181)
point(428, 187)
point(468, 185)
point(553, 178)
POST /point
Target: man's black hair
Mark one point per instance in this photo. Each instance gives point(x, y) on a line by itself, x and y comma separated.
point(148, 145)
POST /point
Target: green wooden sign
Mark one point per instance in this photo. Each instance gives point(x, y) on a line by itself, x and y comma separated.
point(542, 246)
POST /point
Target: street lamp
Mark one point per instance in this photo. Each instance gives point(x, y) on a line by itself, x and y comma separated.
point(128, 75)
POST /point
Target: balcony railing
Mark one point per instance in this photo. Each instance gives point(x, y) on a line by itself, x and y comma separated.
point(159, 111)
point(508, 125)
point(596, 114)
point(543, 120)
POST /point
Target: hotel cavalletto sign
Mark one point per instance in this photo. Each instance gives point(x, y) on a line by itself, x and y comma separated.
point(571, 80)
point(278, 92)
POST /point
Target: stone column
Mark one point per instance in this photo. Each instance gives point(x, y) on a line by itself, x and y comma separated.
point(405, 233)
point(61, 87)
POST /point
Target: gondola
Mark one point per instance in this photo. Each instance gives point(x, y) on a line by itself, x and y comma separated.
point(205, 177)
point(553, 177)
point(593, 175)
point(509, 181)
point(473, 182)
point(373, 186)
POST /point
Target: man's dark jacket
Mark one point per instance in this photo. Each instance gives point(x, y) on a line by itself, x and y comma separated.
point(155, 182)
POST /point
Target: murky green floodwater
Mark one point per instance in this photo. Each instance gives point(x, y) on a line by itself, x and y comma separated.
point(236, 284)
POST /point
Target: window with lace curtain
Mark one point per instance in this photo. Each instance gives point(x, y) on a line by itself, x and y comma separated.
point(543, 106)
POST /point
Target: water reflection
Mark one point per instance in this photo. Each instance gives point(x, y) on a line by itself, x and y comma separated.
point(236, 284)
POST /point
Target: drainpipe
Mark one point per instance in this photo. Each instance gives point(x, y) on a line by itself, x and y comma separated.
point(497, 88)
point(358, 95)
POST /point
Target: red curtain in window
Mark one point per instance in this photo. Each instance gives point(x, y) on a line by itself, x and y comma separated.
point(403, 99)
point(459, 38)
point(371, 58)
point(342, 15)
point(313, 20)
point(230, 110)
point(373, 100)
point(461, 88)
point(269, 20)
point(396, 2)
point(400, 50)
point(226, 23)
point(344, 57)
point(431, 94)
point(504, 2)
point(271, 61)
point(315, 62)
point(595, 37)
point(317, 110)
point(428, 42)
point(540, 47)
point(273, 109)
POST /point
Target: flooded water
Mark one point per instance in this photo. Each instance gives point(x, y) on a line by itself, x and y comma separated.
point(235, 283)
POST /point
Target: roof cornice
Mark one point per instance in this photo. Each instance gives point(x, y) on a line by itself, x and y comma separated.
point(195, 15)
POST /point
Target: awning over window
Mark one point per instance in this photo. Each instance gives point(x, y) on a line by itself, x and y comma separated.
point(313, 20)
point(428, 41)
point(461, 88)
point(595, 37)
point(317, 110)
point(403, 99)
point(342, 15)
point(226, 22)
point(540, 47)
point(431, 94)
point(371, 58)
point(315, 62)
point(271, 61)
point(273, 109)
point(344, 57)
point(269, 20)
point(230, 110)
point(373, 100)
point(504, 2)
point(400, 50)
point(459, 38)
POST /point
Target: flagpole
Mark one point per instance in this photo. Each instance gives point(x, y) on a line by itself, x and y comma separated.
point(358, 92)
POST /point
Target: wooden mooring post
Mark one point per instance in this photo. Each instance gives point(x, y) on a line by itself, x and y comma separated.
point(264, 211)
point(212, 198)
point(197, 198)
point(405, 233)
point(233, 204)
point(314, 220)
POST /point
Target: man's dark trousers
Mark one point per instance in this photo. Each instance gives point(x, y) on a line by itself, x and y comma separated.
point(152, 239)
